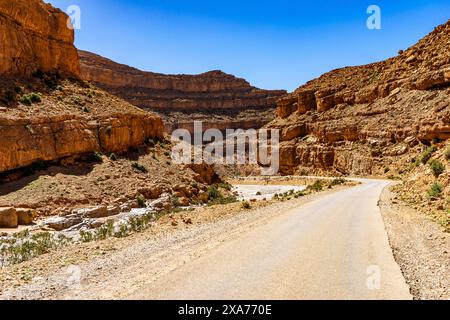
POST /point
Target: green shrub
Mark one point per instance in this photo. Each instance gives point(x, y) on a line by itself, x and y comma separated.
point(437, 167)
point(95, 157)
point(246, 205)
point(225, 186)
point(447, 154)
point(26, 100)
point(213, 193)
point(113, 157)
point(194, 185)
point(175, 201)
point(35, 97)
point(316, 186)
point(86, 236)
point(426, 155)
point(435, 190)
point(337, 182)
point(140, 201)
point(139, 167)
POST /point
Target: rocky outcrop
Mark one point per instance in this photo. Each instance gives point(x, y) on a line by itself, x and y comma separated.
point(215, 95)
point(26, 141)
point(65, 118)
point(362, 120)
point(35, 36)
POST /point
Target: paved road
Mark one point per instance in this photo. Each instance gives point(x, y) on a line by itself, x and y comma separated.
point(334, 247)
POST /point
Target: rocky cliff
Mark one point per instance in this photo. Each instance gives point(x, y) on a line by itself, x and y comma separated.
point(34, 36)
point(43, 115)
point(220, 98)
point(369, 119)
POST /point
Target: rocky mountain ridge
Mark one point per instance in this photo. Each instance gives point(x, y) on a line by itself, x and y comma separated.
point(371, 119)
point(216, 97)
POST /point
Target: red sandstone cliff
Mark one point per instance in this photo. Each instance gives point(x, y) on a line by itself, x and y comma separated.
point(219, 98)
point(34, 36)
point(44, 116)
point(369, 119)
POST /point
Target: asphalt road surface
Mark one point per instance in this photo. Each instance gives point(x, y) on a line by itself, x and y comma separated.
point(334, 247)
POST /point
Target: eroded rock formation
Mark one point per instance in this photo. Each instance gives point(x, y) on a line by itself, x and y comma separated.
point(44, 116)
point(26, 141)
point(222, 99)
point(34, 36)
point(367, 119)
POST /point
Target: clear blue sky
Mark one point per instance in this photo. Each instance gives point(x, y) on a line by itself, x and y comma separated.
point(273, 44)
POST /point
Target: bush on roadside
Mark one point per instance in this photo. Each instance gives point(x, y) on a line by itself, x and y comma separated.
point(213, 193)
point(246, 205)
point(316, 186)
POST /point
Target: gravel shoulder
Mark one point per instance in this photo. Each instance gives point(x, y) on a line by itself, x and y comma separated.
point(420, 247)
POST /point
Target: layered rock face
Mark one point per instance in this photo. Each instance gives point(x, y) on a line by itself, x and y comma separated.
point(34, 36)
point(364, 120)
point(26, 141)
point(219, 97)
point(45, 117)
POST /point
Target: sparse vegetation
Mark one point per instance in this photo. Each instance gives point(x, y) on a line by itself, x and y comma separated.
point(435, 190)
point(95, 157)
point(175, 201)
point(22, 246)
point(437, 167)
point(316, 186)
point(337, 182)
point(246, 205)
point(113, 157)
point(225, 186)
point(139, 167)
point(447, 154)
point(26, 100)
point(213, 192)
point(426, 155)
point(140, 200)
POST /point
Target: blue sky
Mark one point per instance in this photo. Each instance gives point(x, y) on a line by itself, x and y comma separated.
point(278, 44)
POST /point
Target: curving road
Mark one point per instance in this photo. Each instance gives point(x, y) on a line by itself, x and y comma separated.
point(334, 247)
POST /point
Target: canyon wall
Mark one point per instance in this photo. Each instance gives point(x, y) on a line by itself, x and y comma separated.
point(45, 117)
point(369, 119)
point(34, 36)
point(220, 98)
point(26, 141)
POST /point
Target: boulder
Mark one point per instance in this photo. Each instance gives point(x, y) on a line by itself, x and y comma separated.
point(183, 201)
point(8, 218)
point(25, 216)
point(93, 212)
point(63, 223)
